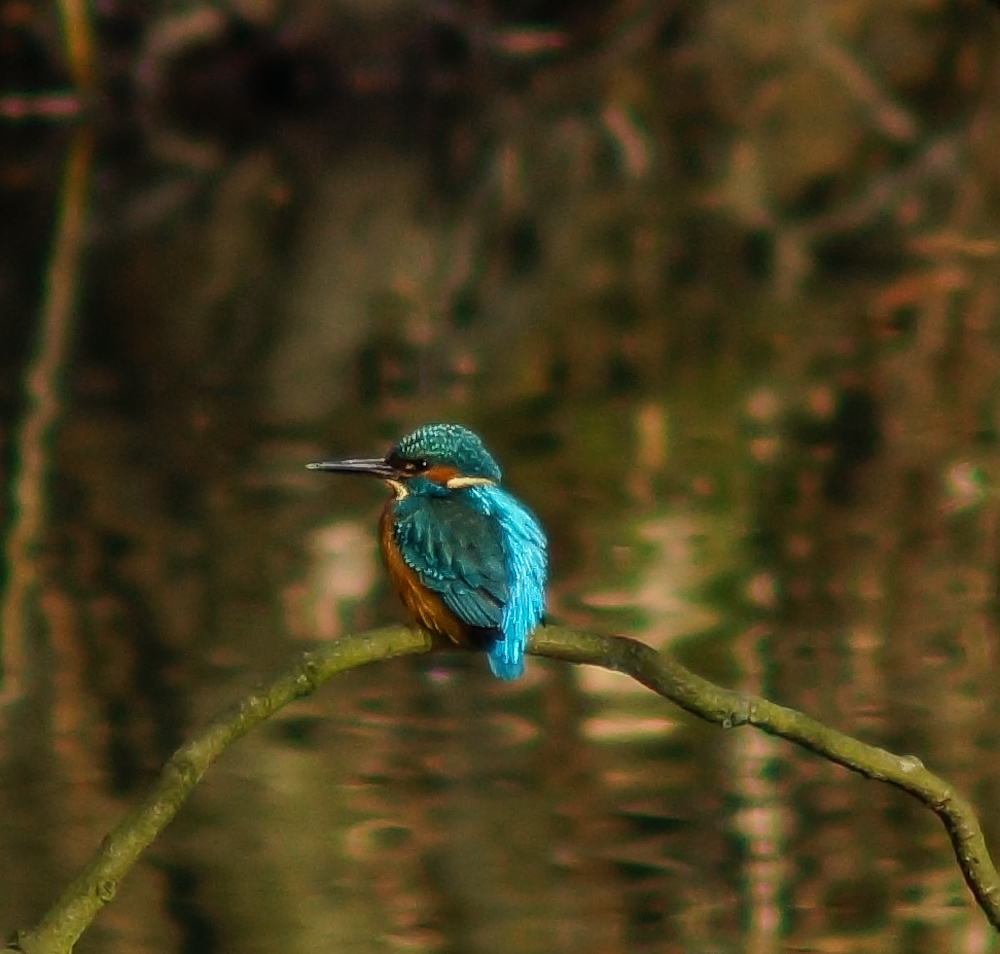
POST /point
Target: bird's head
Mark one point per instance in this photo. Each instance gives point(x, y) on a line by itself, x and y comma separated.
point(433, 459)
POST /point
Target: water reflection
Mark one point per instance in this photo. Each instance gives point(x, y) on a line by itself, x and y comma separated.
point(796, 499)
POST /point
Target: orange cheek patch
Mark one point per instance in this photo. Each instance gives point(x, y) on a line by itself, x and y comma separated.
point(440, 475)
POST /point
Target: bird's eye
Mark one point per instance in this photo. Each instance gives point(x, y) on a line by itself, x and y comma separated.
point(414, 466)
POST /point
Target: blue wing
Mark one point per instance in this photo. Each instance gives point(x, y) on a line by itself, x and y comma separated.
point(525, 560)
point(484, 554)
point(456, 552)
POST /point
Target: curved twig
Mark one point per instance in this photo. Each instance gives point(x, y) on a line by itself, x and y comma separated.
point(97, 884)
point(727, 708)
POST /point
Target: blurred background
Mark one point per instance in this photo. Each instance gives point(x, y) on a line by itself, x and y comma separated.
point(718, 283)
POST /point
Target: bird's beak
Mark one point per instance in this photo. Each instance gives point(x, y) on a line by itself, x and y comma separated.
point(366, 466)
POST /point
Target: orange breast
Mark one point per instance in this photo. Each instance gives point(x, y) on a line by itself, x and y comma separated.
point(426, 608)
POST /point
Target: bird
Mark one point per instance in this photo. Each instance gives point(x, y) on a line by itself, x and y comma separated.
point(468, 560)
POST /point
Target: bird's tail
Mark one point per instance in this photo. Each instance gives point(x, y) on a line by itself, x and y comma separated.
point(506, 657)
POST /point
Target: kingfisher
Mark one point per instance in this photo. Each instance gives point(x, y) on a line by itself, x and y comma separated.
point(468, 559)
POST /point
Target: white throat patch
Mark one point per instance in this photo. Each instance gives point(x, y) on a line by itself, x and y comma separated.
point(457, 483)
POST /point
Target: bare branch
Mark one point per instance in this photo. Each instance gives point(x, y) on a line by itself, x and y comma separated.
point(728, 708)
point(97, 884)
